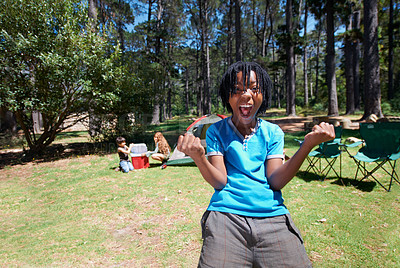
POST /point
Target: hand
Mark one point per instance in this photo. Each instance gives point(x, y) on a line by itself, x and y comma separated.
point(191, 146)
point(320, 133)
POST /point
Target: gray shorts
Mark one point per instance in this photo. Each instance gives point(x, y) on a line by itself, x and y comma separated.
point(230, 240)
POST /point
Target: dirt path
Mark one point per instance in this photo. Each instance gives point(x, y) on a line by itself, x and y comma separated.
point(291, 124)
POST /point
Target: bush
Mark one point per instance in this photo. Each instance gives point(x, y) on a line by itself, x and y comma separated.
point(386, 108)
point(319, 107)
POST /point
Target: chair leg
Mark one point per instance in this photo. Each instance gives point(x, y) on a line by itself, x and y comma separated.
point(312, 164)
point(340, 169)
point(329, 167)
point(323, 171)
point(378, 166)
point(395, 177)
point(358, 167)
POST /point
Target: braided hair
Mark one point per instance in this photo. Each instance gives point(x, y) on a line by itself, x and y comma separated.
point(229, 82)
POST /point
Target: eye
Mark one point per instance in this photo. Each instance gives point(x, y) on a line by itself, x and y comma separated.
point(236, 90)
point(255, 90)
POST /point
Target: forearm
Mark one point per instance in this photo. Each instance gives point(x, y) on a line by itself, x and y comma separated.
point(213, 169)
point(280, 175)
point(210, 173)
point(285, 173)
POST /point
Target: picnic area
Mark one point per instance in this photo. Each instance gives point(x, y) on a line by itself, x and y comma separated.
point(72, 209)
point(95, 94)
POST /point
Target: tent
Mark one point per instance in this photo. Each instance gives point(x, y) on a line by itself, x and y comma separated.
point(199, 129)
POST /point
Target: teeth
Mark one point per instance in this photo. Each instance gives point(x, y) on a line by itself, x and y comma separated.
point(245, 109)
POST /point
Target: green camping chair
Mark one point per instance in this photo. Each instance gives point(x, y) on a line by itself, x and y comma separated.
point(329, 152)
point(382, 147)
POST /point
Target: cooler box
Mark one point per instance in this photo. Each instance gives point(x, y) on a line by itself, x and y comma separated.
point(139, 161)
point(139, 148)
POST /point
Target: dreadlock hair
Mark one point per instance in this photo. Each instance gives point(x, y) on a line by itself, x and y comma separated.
point(229, 82)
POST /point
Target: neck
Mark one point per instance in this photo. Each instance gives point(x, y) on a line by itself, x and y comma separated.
point(245, 129)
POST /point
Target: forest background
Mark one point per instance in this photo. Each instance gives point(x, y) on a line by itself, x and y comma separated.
point(128, 64)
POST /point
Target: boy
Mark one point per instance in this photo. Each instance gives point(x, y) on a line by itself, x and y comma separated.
point(246, 223)
point(123, 152)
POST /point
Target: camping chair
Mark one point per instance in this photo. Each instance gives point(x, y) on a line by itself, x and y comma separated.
point(382, 147)
point(329, 152)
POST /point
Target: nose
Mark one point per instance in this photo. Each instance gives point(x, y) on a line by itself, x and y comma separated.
point(247, 92)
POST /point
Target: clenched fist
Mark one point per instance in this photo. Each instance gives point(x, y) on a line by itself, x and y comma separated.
point(320, 133)
point(191, 146)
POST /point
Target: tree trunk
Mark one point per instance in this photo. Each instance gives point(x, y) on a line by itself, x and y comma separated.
point(305, 74)
point(204, 56)
point(147, 47)
point(120, 28)
point(290, 64)
point(356, 61)
point(207, 93)
point(390, 56)
point(93, 13)
point(169, 98)
point(372, 89)
point(94, 120)
point(238, 30)
point(198, 87)
point(275, 82)
point(156, 111)
point(330, 60)
point(264, 30)
point(187, 91)
point(157, 97)
point(317, 61)
point(208, 79)
point(348, 53)
point(230, 38)
point(8, 123)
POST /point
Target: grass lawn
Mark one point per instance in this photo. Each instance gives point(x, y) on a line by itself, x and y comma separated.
point(78, 211)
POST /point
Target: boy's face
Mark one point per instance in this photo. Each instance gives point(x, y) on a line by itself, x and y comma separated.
point(122, 144)
point(247, 99)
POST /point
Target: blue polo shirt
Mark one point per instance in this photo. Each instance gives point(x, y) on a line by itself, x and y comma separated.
point(247, 191)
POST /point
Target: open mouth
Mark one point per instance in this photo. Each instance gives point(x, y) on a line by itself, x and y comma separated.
point(245, 109)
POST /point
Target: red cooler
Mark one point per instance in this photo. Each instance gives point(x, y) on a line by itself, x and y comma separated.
point(139, 161)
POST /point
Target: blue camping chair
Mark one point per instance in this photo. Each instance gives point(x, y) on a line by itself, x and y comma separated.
point(382, 147)
point(329, 152)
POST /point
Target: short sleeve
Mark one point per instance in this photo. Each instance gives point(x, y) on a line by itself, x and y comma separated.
point(276, 143)
point(214, 146)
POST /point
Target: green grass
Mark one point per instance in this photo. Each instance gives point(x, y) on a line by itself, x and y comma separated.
point(72, 136)
point(79, 212)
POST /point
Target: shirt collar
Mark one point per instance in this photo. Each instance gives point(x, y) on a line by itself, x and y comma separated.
point(240, 134)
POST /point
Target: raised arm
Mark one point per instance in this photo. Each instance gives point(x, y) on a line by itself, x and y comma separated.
point(280, 174)
point(212, 170)
point(126, 149)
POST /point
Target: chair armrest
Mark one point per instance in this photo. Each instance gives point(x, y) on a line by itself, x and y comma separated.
point(352, 145)
point(299, 141)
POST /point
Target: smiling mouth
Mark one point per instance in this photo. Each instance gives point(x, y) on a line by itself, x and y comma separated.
point(245, 109)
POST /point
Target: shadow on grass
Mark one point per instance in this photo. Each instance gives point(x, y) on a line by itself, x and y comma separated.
point(56, 152)
point(365, 186)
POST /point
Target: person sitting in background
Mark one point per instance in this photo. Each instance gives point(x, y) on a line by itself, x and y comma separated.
point(164, 150)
